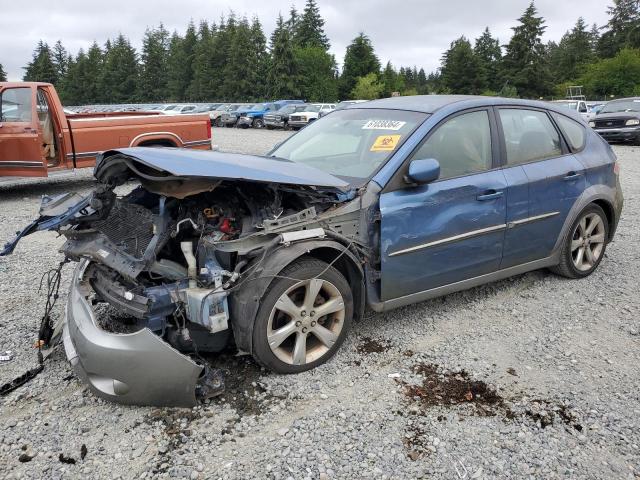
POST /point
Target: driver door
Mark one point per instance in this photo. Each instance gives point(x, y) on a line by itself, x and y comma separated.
point(453, 228)
point(20, 143)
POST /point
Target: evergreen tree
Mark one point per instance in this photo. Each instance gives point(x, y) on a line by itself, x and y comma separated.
point(60, 60)
point(152, 85)
point(570, 57)
point(175, 61)
point(359, 60)
point(462, 70)
point(623, 29)
point(180, 63)
point(41, 68)
point(421, 82)
point(309, 29)
point(221, 45)
point(594, 35)
point(293, 21)
point(283, 74)
point(119, 79)
point(258, 55)
point(488, 52)
point(200, 87)
point(93, 73)
point(391, 81)
point(3, 75)
point(240, 72)
point(317, 74)
point(525, 64)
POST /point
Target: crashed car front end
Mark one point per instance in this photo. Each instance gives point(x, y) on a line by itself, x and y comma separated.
point(174, 268)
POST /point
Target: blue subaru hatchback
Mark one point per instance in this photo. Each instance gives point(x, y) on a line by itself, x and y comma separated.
point(378, 205)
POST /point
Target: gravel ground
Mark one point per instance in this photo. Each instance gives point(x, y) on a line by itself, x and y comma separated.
point(532, 377)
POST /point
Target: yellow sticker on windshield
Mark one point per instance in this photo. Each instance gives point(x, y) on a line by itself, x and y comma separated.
point(385, 143)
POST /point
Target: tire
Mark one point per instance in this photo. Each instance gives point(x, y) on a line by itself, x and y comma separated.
point(219, 122)
point(269, 127)
point(319, 336)
point(574, 264)
point(258, 123)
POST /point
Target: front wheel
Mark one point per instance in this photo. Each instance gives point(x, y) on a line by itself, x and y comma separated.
point(303, 318)
point(585, 245)
point(258, 123)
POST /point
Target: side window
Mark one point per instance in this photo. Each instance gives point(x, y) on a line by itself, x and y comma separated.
point(16, 105)
point(529, 135)
point(573, 131)
point(462, 145)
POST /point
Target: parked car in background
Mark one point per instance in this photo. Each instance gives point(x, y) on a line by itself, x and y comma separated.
point(310, 114)
point(378, 205)
point(180, 109)
point(216, 115)
point(619, 121)
point(343, 104)
point(595, 107)
point(231, 116)
point(280, 118)
point(254, 117)
point(579, 106)
point(38, 136)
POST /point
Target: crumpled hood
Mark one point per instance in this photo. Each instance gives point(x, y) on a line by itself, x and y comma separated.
point(184, 163)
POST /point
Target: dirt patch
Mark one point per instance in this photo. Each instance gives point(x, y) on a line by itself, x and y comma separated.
point(176, 423)
point(370, 345)
point(244, 391)
point(470, 397)
point(451, 388)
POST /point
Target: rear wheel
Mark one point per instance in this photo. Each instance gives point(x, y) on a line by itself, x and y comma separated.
point(258, 123)
point(304, 318)
point(585, 245)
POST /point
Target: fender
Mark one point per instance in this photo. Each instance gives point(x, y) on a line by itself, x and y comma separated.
point(157, 136)
point(244, 304)
point(592, 194)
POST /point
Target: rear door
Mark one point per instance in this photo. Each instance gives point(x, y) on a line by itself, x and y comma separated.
point(536, 159)
point(20, 142)
point(451, 229)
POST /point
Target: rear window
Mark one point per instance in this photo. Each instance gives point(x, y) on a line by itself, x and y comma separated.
point(574, 133)
point(529, 135)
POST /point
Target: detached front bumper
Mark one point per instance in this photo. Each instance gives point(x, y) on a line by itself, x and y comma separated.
point(625, 134)
point(137, 368)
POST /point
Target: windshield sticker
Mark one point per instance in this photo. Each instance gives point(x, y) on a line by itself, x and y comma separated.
point(383, 125)
point(385, 143)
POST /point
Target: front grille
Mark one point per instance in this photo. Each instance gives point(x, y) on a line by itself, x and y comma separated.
point(128, 226)
point(269, 117)
point(295, 118)
point(611, 123)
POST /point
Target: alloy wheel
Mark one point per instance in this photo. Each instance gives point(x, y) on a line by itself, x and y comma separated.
point(587, 242)
point(306, 321)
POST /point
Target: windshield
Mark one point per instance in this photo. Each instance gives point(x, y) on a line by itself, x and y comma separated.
point(312, 108)
point(622, 106)
point(350, 143)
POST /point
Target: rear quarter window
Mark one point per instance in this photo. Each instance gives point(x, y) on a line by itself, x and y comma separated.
point(574, 132)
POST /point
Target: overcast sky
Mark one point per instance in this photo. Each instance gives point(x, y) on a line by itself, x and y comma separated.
point(407, 32)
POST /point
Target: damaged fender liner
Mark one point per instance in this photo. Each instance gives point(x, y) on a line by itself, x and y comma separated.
point(136, 369)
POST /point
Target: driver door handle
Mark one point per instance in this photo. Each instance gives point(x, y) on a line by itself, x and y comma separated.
point(490, 195)
point(572, 176)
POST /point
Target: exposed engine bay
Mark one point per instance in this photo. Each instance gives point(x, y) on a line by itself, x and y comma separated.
point(186, 259)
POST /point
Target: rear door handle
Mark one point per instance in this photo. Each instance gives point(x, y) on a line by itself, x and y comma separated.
point(572, 176)
point(489, 195)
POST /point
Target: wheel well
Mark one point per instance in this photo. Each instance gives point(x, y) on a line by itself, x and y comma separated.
point(157, 143)
point(346, 266)
point(608, 211)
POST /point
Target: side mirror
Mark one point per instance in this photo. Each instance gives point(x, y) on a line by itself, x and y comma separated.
point(423, 171)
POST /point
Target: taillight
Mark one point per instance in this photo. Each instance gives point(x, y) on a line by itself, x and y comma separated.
point(209, 130)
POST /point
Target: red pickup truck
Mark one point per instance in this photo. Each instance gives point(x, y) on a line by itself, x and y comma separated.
point(37, 136)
